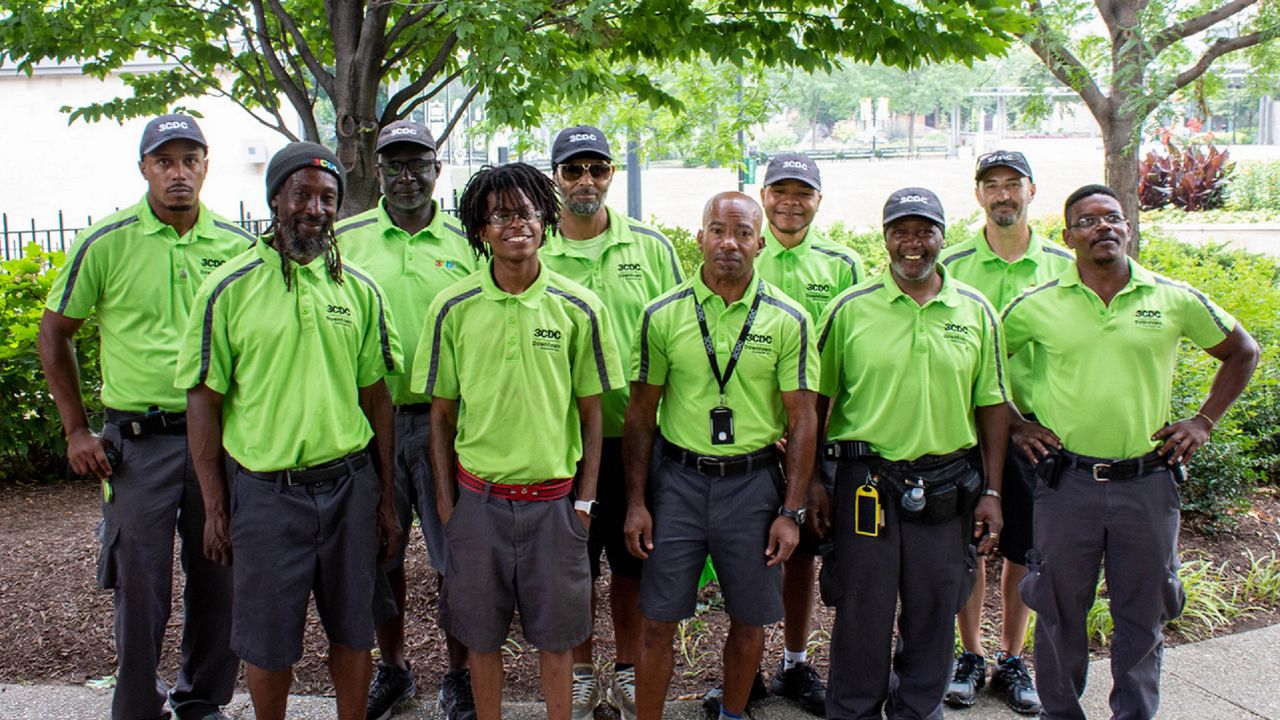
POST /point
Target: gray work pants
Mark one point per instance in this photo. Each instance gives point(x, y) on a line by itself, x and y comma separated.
point(155, 491)
point(1133, 524)
point(930, 568)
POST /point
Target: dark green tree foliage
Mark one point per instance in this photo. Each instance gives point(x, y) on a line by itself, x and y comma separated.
point(276, 58)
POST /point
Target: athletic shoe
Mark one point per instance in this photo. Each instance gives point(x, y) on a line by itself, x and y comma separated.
point(390, 688)
point(711, 701)
point(622, 693)
point(968, 677)
point(586, 691)
point(1012, 680)
point(456, 700)
point(802, 684)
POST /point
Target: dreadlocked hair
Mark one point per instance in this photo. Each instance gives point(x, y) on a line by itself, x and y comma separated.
point(505, 181)
point(332, 257)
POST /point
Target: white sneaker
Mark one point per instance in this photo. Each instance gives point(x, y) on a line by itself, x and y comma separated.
point(622, 693)
point(586, 691)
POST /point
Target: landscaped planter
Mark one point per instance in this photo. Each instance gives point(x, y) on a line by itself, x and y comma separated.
point(1254, 237)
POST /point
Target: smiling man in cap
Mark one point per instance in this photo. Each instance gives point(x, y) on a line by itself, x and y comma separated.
point(412, 249)
point(138, 270)
point(912, 373)
point(283, 361)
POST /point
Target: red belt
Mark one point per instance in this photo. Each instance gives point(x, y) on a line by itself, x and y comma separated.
point(549, 490)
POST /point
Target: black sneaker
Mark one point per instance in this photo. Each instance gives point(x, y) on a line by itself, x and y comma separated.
point(802, 684)
point(1012, 680)
point(969, 676)
point(456, 700)
point(391, 687)
point(711, 701)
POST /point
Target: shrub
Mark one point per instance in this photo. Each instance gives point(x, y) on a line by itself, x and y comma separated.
point(32, 448)
point(1188, 178)
point(1256, 187)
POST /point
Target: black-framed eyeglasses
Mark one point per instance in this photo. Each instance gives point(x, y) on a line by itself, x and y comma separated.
point(393, 168)
point(574, 171)
point(1088, 222)
point(503, 218)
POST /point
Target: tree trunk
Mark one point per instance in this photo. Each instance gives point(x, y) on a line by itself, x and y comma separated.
point(358, 157)
point(1121, 170)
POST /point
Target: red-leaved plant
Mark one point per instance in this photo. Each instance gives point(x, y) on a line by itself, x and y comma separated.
point(1189, 177)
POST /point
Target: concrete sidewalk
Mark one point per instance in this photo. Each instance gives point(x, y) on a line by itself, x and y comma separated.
point(1229, 678)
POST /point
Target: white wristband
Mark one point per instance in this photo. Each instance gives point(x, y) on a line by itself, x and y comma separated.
point(993, 493)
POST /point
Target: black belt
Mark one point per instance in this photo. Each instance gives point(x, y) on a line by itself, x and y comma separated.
point(153, 422)
point(332, 470)
point(1106, 469)
point(722, 465)
point(859, 450)
point(414, 409)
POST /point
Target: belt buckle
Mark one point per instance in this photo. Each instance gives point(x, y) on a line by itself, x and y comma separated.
point(1098, 467)
point(698, 465)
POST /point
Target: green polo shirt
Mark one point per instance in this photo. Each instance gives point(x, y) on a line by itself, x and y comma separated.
point(811, 273)
point(778, 356)
point(634, 265)
point(410, 269)
point(517, 364)
point(141, 279)
point(289, 363)
point(1104, 380)
point(975, 263)
point(907, 378)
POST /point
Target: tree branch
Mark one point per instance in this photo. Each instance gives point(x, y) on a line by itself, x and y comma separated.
point(1200, 23)
point(297, 95)
point(466, 102)
point(408, 19)
point(322, 76)
point(424, 79)
point(408, 107)
point(1217, 50)
point(1064, 66)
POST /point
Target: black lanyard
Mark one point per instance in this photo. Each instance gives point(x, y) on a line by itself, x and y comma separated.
point(723, 380)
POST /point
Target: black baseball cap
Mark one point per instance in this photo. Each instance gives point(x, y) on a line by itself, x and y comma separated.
point(170, 127)
point(1004, 158)
point(917, 202)
point(579, 139)
point(405, 131)
point(793, 166)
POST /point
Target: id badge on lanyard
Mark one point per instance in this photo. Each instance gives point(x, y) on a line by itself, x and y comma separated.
point(722, 414)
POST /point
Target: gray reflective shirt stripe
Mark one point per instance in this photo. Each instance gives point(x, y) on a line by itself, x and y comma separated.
point(995, 336)
point(232, 227)
point(1059, 252)
point(74, 272)
point(853, 266)
point(1025, 295)
point(455, 229)
point(644, 329)
point(804, 335)
point(822, 339)
point(1198, 296)
point(952, 258)
point(434, 367)
point(666, 242)
point(354, 225)
point(387, 358)
point(206, 336)
point(595, 333)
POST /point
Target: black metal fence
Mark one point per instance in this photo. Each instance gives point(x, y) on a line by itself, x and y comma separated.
point(15, 237)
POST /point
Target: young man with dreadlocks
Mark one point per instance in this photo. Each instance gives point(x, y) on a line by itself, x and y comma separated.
point(283, 362)
point(522, 354)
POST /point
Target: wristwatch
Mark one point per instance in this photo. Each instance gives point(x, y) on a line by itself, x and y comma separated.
point(796, 514)
point(587, 506)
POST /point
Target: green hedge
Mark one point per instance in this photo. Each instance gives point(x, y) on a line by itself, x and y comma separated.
point(32, 448)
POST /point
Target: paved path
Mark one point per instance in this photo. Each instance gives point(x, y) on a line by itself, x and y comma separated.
point(1228, 678)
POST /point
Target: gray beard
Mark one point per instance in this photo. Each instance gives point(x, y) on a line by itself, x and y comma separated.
point(585, 208)
point(902, 273)
point(1006, 220)
point(300, 250)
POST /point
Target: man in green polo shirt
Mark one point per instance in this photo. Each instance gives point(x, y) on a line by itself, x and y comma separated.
point(627, 263)
point(798, 259)
point(912, 370)
point(1106, 333)
point(1006, 258)
point(283, 361)
point(138, 269)
point(412, 249)
point(732, 361)
point(522, 354)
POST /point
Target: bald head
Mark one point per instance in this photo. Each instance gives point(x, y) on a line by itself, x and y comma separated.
point(742, 202)
point(730, 238)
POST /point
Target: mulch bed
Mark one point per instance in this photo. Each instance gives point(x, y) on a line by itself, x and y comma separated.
point(56, 625)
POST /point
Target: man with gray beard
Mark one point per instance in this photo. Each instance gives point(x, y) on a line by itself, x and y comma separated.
point(627, 263)
point(283, 362)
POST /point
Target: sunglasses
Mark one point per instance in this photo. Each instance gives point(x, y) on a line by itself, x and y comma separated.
point(573, 172)
point(392, 168)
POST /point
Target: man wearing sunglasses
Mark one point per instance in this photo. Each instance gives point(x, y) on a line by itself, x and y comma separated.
point(627, 263)
point(413, 250)
point(1109, 454)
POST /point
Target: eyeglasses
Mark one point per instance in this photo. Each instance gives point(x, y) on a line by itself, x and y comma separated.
point(393, 168)
point(572, 172)
point(1089, 222)
point(503, 218)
